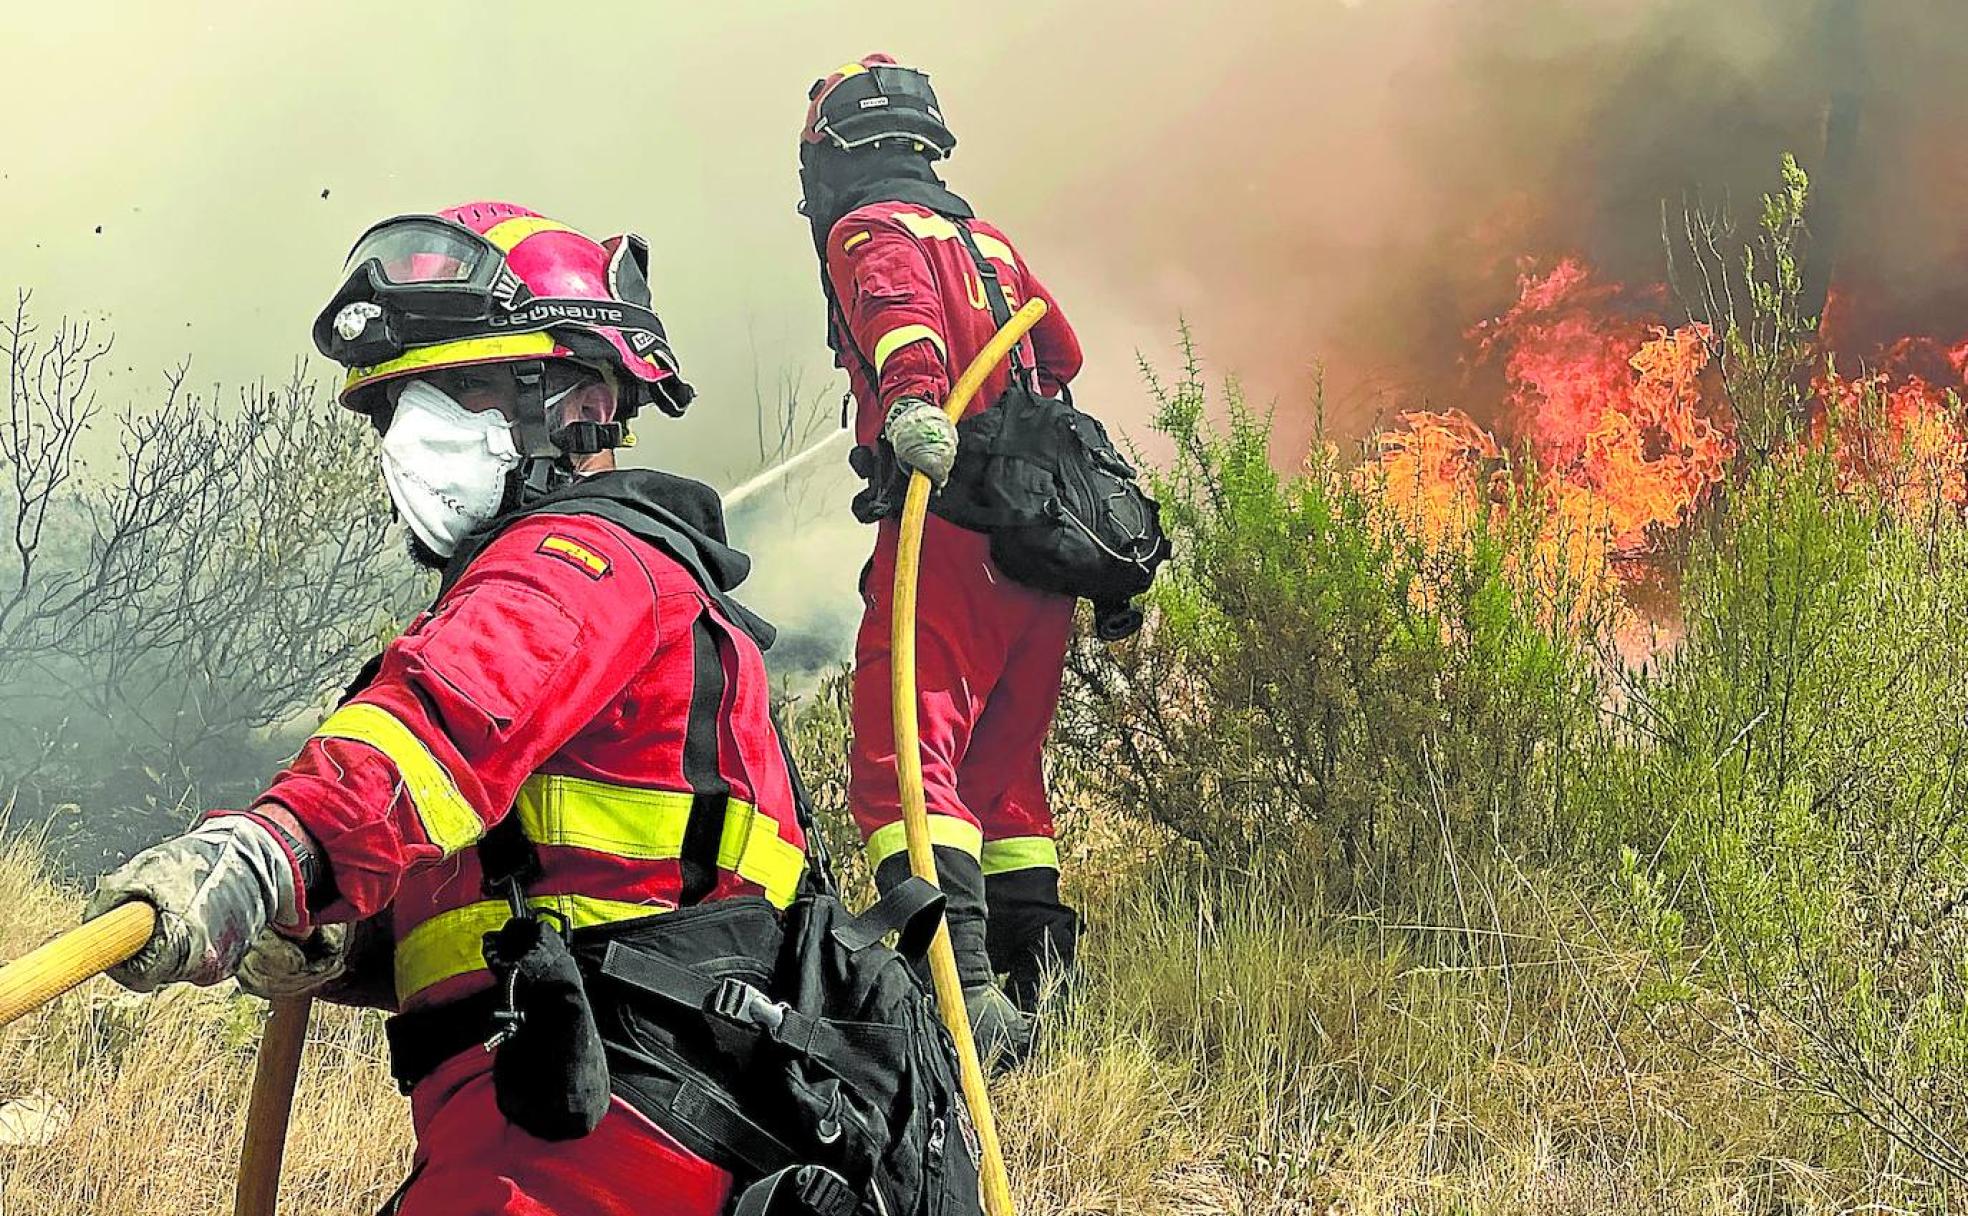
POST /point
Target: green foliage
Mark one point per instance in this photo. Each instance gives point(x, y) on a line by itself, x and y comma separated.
point(1314, 686)
point(1798, 764)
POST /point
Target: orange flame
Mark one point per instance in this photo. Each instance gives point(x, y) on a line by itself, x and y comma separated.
point(1433, 475)
point(1899, 427)
point(1616, 413)
point(1624, 434)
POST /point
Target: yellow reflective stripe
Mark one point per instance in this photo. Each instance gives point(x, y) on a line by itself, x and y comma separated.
point(1020, 853)
point(933, 227)
point(449, 354)
point(752, 848)
point(992, 247)
point(509, 233)
point(930, 227)
point(647, 825)
point(946, 830)
point(453, 943)
point(859, 238)
point(448, 819)
point(896, 339)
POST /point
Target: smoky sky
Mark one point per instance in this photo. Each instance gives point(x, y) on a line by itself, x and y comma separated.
point(1305, 181)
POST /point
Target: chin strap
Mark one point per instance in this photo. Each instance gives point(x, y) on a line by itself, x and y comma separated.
point(542, 474)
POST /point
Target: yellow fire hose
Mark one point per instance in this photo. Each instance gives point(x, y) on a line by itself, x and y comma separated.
point(908, 761)
point(42, 974)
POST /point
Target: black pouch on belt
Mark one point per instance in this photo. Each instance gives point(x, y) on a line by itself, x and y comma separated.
point(548, 1071)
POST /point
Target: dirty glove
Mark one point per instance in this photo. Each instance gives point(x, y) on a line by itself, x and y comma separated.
point(214, 889)
point(277, 966)
point(1004, 1033)
point(923, 437)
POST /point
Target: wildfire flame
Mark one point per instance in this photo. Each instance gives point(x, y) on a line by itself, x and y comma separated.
point(1619, 425)
point(1898, 426)
point(1613, 408)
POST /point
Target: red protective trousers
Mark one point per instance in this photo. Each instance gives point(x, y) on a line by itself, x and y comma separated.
point(471, 1162)
point(989, 652)
point(989, 655)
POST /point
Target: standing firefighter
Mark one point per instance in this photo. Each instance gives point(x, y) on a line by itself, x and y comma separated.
point(573, 739)
point(916, 285)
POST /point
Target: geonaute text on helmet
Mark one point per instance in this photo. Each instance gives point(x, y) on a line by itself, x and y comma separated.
point(600, 314)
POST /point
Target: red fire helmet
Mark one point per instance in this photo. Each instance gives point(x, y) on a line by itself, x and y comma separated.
point(492, 282)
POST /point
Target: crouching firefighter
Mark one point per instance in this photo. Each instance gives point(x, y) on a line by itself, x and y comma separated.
point(555, 810)
point(1034, 509)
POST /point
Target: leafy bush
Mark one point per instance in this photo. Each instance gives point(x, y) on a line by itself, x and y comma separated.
point(1797, 775)
point(1315, 688)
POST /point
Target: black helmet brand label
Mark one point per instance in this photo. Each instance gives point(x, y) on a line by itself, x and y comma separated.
point(871, 103)
point(552, 310)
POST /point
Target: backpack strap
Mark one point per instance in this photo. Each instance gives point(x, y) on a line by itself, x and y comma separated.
point(728, 998)
point(1000, 306)
point(911, 910)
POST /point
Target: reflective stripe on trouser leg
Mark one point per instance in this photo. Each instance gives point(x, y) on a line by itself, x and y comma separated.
point(1019, 853)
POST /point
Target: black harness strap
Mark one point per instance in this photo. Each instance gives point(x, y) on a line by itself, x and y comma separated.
point(711, 793)
point(995, 296)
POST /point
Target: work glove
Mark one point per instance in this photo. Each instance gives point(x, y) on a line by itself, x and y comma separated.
point(923, 437)
point(1004, 1033)
point(214, 889)
point(278, 967)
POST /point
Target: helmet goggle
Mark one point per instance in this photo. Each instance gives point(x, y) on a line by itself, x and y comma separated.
point(418, 279)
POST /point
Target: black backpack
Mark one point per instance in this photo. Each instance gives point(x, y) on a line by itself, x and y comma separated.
point(824, 1082)
point(1062, 507)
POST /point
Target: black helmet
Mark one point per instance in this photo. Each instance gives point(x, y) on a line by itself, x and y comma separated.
point(873, 100)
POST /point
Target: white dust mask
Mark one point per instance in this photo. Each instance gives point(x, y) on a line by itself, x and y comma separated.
point(445, 465)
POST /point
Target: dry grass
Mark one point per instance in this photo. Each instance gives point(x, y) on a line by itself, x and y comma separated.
point(1230, 1054)
point(156, 1088)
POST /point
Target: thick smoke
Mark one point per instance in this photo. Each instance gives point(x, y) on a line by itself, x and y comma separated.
point(1357, 184)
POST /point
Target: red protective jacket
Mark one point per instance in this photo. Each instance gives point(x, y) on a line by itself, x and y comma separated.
point(915, 309)
point(580, 678)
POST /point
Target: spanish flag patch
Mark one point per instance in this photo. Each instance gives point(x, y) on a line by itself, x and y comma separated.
point(580, 555)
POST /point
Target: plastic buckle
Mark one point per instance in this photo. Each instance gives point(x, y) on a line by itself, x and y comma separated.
point(736, 1001)
point(824, 1192)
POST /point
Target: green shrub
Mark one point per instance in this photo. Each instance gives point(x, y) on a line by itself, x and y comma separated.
point(1796, 779)
point(1314, 688)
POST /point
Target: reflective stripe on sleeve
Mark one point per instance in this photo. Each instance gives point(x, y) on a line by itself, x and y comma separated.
point(449, 820)
point(896, 339)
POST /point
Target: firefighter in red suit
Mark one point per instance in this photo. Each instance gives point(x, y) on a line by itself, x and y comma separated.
point(907, 312)
point(581, 674)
